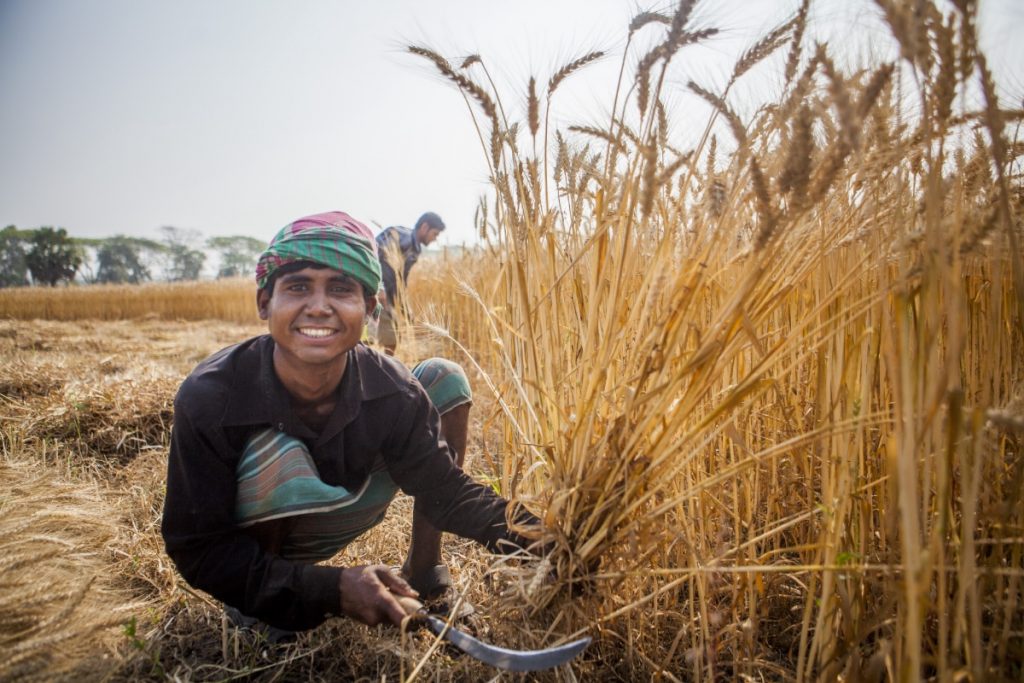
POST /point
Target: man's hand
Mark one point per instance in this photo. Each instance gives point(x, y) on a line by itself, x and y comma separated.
point(368, 594)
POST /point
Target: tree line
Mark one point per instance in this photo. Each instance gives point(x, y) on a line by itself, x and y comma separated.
point(50, 256)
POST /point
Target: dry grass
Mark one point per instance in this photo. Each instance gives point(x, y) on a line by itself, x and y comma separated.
point(60, 603)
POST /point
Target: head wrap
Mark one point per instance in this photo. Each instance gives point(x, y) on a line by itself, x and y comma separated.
point(332, 239)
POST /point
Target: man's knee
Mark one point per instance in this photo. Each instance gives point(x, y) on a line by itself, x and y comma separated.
point(445, 383)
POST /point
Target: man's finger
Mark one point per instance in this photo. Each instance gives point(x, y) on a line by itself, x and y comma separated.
point(392, 609)
point(396, 584)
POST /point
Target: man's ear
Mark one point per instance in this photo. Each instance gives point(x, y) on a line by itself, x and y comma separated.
point(372, 307)
point(263, 303)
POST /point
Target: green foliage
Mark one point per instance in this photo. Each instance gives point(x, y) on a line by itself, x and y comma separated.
point(120, 261)
point(847, 557)
point(13, 267)
point(186, 264)
point(53, 256)
point(131, 633)
point(238, 254)
point(183, 261)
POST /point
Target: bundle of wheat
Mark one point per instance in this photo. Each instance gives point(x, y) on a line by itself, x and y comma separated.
point(750, 389)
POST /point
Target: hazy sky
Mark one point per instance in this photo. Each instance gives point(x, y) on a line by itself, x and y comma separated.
point(238, 116)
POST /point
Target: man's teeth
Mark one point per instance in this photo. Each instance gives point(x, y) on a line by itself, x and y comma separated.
point(316, 331)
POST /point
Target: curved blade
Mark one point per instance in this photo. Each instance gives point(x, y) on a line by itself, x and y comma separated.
point(503, 658)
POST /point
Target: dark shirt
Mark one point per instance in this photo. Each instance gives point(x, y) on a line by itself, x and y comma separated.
point(380, 411)
point(410, 248)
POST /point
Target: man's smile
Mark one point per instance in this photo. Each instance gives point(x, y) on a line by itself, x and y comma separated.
point(316, 332)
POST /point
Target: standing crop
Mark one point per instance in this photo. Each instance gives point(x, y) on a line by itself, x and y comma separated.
point(767, 390)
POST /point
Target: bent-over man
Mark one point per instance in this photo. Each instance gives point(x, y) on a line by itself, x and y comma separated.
point(398, 240)
point(288, 446)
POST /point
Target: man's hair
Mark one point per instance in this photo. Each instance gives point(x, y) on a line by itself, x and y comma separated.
point(431, 219)
point(296, 266)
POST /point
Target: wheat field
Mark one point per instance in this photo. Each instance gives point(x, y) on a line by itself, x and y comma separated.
point(766, 393)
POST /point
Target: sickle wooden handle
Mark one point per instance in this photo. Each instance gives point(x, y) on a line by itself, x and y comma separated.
point(412, 606)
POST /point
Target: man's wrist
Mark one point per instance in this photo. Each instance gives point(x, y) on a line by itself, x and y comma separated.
point(323, 587)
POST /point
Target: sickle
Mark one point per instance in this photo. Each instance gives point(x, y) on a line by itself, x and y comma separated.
point(498, 657)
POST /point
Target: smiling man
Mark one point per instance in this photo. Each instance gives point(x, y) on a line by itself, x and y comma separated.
point(288, 446)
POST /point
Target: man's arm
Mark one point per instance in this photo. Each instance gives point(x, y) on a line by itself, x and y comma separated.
point(410, 253)
point(387, 242)
point(421, 465)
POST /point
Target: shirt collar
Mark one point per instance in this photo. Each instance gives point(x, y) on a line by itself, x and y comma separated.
point(258, 397)
point(416, 247)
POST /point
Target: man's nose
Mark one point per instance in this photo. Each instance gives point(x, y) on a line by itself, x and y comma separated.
point(319, 302)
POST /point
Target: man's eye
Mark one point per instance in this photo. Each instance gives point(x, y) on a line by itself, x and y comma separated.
point(342, 289)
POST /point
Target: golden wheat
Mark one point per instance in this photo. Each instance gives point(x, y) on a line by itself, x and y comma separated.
point(232, 300)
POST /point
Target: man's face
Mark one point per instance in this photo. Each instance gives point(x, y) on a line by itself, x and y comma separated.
point(427, 234)
point(315, 315)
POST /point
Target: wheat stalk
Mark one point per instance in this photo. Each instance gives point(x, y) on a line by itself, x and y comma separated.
point(765, 208)
point(735, 125)
point(532, 107)
point(763, 48)
point(796, 45)
point(467, 85)
point(796, 168)
point(572, 67)
point(612, 140)
point(644, 18)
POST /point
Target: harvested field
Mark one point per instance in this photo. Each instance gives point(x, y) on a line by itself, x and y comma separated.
point(86, 415)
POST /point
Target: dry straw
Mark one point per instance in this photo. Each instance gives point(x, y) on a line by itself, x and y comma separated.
point(58, 601)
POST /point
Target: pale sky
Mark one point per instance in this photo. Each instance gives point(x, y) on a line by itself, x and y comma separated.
point(239, 116)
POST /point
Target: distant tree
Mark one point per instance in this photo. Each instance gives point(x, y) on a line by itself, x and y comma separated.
point(183, 261)
point(120, 260)
point(53, 256)
point(89, 247)
point(238, 254)
point(13, 267)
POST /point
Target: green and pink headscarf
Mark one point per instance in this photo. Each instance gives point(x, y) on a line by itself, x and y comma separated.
point(332, 239)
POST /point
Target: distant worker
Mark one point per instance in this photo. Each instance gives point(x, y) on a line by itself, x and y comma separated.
point(409, 243)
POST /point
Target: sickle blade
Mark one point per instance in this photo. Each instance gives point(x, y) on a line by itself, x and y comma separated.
point(503, 658)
